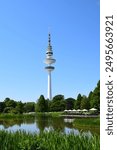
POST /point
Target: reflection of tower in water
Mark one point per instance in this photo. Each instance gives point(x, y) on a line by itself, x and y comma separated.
point(49, 60)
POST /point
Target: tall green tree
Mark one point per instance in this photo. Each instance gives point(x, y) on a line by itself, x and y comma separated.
point(2, 106)
point(78, 102)
point(84, 103)
point(94, 97)
point(90, 98)
point(41, 105)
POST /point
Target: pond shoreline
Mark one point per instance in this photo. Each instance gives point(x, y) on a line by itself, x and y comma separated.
point(46, 114)
point(56, 120)
point(80, 116)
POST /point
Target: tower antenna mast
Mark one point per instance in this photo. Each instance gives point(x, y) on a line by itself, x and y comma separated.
point(49, 60)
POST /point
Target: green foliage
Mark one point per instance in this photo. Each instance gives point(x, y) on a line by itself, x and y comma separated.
point(10, 103)
point(16, 107)
point(52, 140)
point(29, 107)
point(94, 97)
point(84, 103)
point(78, 102)
point(57, 103)
point(2, 106)
point(11, 106)
point(19, 108)
point(7, 109)
point(42, 105)
point(69, 103)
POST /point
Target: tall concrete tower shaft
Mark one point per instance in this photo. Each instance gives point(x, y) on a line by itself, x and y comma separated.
point(49, 86)
point(49, 60)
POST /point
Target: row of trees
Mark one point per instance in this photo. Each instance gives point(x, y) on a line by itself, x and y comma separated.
point(12, 106)
point(58, 103)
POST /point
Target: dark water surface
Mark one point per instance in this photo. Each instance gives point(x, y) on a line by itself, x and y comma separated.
point(39, 124)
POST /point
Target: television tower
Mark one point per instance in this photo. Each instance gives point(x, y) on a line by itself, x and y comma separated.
point(49, 60)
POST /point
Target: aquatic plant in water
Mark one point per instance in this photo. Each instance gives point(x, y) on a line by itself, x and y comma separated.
point(52, 140)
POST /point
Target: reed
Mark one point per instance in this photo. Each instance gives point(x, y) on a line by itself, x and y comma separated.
point(52, 140)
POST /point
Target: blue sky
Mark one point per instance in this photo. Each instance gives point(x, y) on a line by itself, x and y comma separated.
point(75, 29)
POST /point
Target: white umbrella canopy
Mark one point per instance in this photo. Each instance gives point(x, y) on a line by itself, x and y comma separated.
point(78, 110)
point(69, 110)
point(73, 110)
point(85, 110)
point(93, 109)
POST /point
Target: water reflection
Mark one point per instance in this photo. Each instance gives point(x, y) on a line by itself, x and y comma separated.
point(41, 123)
point(49, 123)
point(6, 123)
point(69, 120)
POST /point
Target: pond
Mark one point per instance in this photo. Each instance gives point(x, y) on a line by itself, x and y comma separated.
point(38, 124)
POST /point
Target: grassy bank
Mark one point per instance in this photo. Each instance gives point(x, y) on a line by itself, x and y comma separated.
point(47, 141)
point(29, 115)
point(87, 122)
point(50, 114)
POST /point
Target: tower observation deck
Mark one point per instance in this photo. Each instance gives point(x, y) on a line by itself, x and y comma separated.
point(48, 61)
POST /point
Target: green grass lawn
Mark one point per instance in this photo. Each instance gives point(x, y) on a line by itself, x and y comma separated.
point(87, 122)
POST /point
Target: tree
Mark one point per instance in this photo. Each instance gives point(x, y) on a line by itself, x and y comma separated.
point(19, 108)
point(57, 103)
point(78, 102)
point(29, 107)
point(69, 103)
point(84, 103)
point(2, 106)
point(8, 109)
point(10, 106)
point(41, 105)
point(89, 98)
point(10, 103)
point(94, 97)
